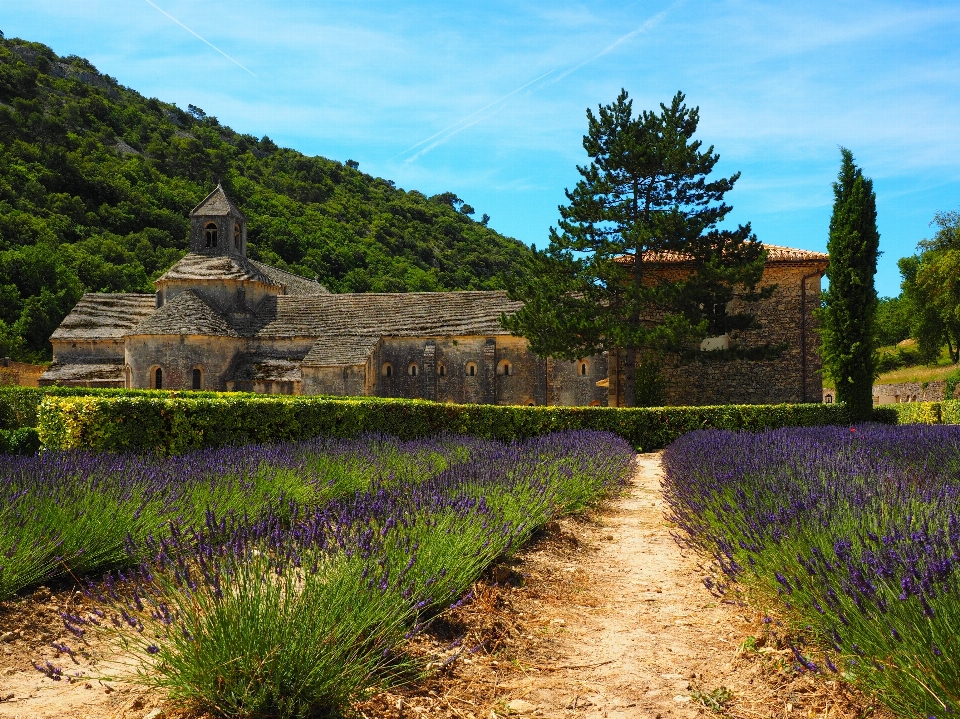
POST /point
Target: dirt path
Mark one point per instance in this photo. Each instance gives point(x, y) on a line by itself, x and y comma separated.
point(659, 643)
point(610, 619)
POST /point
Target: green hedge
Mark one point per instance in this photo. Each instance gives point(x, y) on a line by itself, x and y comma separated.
point(25, 440)
point(915, 412)
point(19, 405)
point(177, 424)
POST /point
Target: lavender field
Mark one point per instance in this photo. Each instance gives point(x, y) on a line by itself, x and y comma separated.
point(282, 580)
point(850, 534)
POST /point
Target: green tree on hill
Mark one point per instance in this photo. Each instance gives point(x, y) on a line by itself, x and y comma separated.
point(850, 303)
point(645, 191)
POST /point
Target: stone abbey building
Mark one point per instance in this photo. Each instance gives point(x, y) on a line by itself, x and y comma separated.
point(221, 321)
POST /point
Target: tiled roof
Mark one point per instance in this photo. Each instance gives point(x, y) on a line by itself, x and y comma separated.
point(259, 368)
point(775, 253)
point(411, 314)
point(217, 204)
point(104, 316)
point(83, 373)
point(194, 267)
point(185, 314)
point(341, 350)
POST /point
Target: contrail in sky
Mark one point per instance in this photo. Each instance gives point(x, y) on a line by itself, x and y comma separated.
point(198, 36)
point(648, 24)
point(462, 120)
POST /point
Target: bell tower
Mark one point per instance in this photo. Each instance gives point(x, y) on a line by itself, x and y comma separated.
point(217, 227)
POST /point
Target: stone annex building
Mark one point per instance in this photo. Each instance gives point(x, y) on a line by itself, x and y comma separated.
point(221, 321)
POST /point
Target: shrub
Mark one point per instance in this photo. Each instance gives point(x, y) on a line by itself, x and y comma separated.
point(851, 536)
point(182, 423)
point(19, 405)
point(297, 616)
point(25, 440)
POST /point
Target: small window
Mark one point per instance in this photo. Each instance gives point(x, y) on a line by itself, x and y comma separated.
point(412, 370)
point(158, 379)
point(505, 368)
point(471, 369)
point(387, 370)
point(160, 299)
point(210, 234)
point(584, 368)
point(236, 235)
point(441, 370)
point(828, 399)
point(197, 378)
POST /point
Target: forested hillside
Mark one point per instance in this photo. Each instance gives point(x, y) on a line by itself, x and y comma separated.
point(96, 182)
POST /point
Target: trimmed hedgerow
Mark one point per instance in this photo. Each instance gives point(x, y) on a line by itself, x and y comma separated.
point(19, 405)
point(915, 412)
point(24, 440)
point(178, 424)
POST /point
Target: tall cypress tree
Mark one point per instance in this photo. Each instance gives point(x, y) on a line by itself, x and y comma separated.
point(850, 304)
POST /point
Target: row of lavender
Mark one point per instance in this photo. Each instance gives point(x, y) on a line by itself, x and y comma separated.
point(851, 533)
point(281, 580)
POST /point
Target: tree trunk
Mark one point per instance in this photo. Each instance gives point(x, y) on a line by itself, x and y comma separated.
point(630, 378)
point(954, 354)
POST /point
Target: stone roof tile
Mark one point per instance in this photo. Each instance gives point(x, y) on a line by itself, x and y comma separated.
point(105, 316)
point(341, 350)
point(93, 373)
point(196, 267)
point(185, 314)
point(217, 204)
point(262, 368)
point(775, 254)
point(411, 314)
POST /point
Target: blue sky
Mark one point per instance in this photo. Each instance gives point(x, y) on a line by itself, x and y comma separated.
point(488, 99)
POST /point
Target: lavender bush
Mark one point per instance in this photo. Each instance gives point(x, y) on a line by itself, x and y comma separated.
point(853, 533)
point(71, 512)
point(299, 609)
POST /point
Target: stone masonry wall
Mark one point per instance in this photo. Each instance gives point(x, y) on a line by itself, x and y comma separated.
point(793, 376)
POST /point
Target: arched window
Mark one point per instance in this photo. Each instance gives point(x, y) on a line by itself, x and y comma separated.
point(828, 399)
point(387, 370)
point(471, 369)
point(412, 370)
point(158, 378)
point(584, 368)
point(505, 368)
point(236, 235)
point(595, 403)
point(441, 370)
point(197, 378)
point(531, 404)
point(210, 234)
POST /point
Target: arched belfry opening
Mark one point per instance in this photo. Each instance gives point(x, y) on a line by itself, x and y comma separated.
point(217, 227)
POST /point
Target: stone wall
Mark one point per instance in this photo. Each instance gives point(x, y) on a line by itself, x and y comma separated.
point(504, 371)
point(19, 373)
point(786, 318)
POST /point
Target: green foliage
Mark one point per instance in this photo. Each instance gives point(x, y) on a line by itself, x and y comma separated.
point(931, 289)
point(96, 182)
point(848, 316)
point(916, 412)
point(177, 424)
point(19, 441)
point(893, 322)
point(19, 405)
point(891, 358)
point(644, 191)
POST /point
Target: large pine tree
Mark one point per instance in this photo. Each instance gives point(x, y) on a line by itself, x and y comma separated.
point(644, 192)
point(850, 303)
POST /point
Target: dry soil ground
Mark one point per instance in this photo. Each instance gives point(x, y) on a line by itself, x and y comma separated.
point(601, 616)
